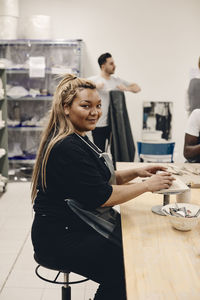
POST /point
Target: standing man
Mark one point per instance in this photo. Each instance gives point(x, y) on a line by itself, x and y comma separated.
point(105, 82)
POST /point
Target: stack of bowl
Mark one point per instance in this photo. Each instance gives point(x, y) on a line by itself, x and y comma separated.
point(182, 216)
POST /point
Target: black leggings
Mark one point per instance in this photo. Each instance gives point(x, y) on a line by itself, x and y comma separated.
point(85, 253)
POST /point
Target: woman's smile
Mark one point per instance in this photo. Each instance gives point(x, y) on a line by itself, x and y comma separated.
point(92, 120)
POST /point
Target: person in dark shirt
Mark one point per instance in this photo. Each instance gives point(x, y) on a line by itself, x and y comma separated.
point(72, 177)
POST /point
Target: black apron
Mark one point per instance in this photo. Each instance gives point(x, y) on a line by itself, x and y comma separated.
point(105, 220)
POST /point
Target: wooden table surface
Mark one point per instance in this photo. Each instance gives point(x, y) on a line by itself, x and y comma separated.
point(161, 263)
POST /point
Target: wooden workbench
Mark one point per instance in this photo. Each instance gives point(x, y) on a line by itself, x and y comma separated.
point(161, 263)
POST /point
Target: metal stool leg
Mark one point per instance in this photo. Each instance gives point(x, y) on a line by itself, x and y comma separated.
point(66, 293)
point(66, 289)
point(157, 209)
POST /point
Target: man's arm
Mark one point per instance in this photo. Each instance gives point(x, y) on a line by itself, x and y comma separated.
point(191, 147)
point(133, 87)
point(100, 85)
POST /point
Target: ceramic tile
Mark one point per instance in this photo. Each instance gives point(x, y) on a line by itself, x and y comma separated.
point(91, 285)
point(89, 294)
point(21, 293)
point(51, 293)
point(4, 274)
point(24, 278)
point(90, 290)
point(9, 246)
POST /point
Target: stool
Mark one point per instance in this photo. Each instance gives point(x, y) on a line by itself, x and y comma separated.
point(66, 288)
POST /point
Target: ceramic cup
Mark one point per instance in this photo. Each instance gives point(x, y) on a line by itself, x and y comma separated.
point(184, 197)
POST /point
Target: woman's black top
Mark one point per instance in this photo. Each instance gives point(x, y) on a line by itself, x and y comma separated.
point(74, 171)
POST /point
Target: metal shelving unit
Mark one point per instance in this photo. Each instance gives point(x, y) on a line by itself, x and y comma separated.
point(3, 133)
point(29, 95)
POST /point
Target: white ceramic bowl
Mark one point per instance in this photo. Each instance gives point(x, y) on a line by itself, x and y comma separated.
point(182, 223)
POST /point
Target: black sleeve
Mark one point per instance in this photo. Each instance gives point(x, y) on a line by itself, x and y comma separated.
point(76, 173)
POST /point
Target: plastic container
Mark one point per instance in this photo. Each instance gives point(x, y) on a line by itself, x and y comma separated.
point(9, 8)
point(38, 27)
point(9, 27)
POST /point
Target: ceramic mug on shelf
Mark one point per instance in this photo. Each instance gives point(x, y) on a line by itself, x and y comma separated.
point(184, 197)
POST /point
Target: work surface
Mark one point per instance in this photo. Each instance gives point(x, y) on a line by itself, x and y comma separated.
point(161, 263)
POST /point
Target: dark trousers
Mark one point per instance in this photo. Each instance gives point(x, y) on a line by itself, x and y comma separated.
point(100, 135)
point(86, 253)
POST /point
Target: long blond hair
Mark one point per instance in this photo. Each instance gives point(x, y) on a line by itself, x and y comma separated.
point(59, 125)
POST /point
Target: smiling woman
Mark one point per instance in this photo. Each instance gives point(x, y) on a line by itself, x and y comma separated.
point(74, 187)
point(69, 166)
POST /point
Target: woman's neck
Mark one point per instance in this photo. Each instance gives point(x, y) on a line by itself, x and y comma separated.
point(80, 133)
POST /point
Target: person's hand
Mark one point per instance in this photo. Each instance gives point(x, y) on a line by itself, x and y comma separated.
point(122, 87)
point(99, 86)
point(159, 181)
point(149, 170)
point(134, 88)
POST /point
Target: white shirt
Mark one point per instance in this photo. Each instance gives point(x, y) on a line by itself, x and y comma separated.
point(109, 85)
point(193, 123)
point(187, 101)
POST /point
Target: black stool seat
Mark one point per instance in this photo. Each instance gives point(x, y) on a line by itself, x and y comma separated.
point(50, 265)
point(66, 289)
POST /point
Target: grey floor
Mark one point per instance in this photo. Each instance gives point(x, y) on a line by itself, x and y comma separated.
point(17, 278)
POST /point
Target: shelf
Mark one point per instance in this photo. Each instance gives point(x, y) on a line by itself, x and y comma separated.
point(16, 71)
point(47, 71)
point(27, 128)
point(70, 42)
point(29, 98)
point(22, 161)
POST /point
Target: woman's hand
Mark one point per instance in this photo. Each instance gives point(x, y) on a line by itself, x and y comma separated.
point(149, 170)
point(159, 181)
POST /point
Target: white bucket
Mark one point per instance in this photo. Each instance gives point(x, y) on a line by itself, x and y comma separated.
point(9, 8)
point(8, 27)
point(38, 27)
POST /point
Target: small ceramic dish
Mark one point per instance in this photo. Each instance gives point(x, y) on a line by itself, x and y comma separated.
point(182, 222)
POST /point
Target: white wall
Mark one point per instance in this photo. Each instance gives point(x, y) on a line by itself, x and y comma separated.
point(154, 43)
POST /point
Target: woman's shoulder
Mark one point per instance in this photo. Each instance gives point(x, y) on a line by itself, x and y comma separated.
point(70, 144)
